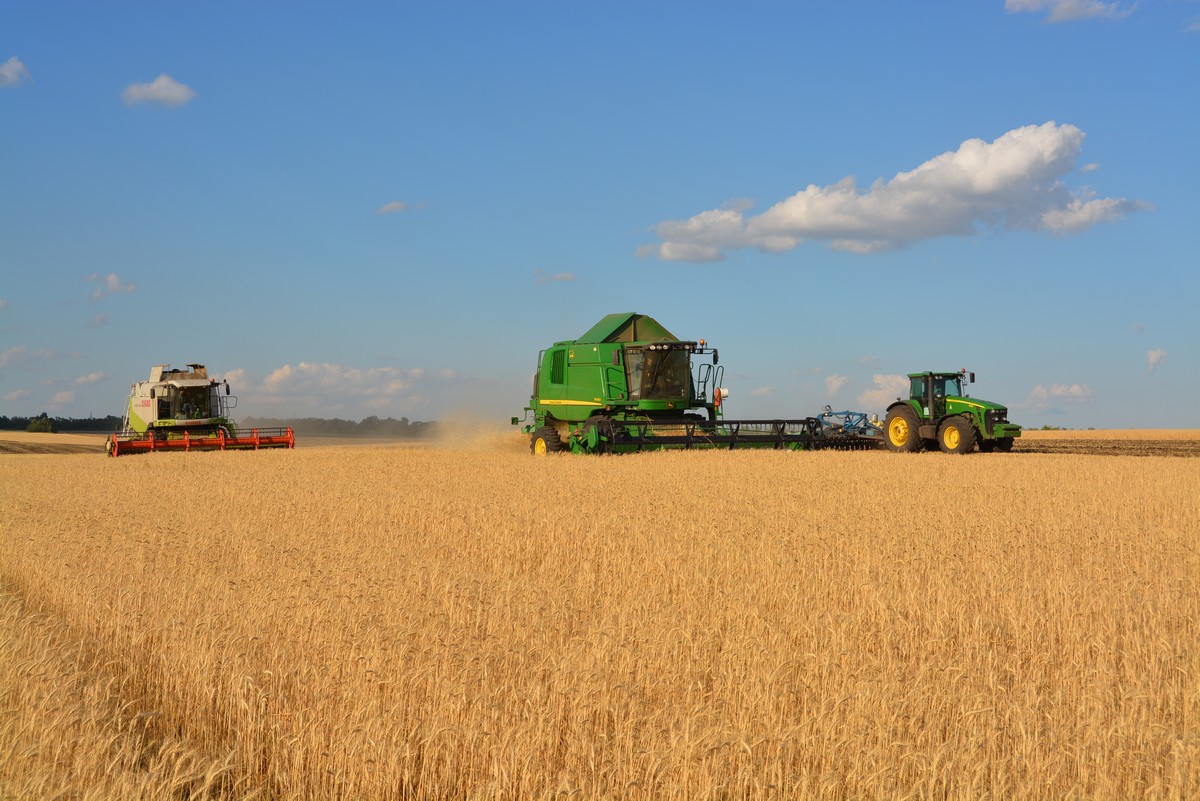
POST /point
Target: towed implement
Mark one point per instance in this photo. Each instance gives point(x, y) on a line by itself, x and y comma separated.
point(186, 410)
point(628, 384)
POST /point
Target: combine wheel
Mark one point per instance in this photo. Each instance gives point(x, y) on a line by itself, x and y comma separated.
point(545, 440)
point(1004, 444)
point(956, 435)
point(900, 430)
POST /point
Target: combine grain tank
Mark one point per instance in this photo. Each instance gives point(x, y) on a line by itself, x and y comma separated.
point(187, 410)
point(629, 384)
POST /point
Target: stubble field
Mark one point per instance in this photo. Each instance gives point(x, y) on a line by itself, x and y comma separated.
point(469, 622)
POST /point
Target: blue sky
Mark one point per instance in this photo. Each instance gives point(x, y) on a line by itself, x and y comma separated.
point(388, 209)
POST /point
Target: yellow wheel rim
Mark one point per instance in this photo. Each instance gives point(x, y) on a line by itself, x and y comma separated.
point(950, 437)
point(898, 431)
point(539, 447)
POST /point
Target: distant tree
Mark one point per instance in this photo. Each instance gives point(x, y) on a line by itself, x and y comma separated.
point(42, 424)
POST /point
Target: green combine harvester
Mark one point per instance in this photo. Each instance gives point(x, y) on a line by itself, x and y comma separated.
point(939, 414)
point(628, 384)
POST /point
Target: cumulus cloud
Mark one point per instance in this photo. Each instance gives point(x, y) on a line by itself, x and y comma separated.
point(325, 388)
point(110, 283)
point(90, 378)
point(834, 382)
point(540, 277)
point(1154, 358)
point(13, 356)
point(13, 72)
point(1014, 182)
point(887, 388)
point(1068, 10)
point(60, 399)
point(762, 392)
point(16, 395)
point(164, 90)
point(1043, 397)
point(392, 208)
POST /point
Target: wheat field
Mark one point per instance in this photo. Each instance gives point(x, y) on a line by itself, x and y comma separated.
point(473, 623)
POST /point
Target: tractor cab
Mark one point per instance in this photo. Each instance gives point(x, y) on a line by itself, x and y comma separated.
point(932, 389)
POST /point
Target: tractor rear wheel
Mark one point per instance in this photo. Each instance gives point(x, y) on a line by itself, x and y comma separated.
point(900, 430)
point(545, 440)
point(956, 435)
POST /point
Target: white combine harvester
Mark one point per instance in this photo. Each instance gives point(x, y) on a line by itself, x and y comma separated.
point(187, 410)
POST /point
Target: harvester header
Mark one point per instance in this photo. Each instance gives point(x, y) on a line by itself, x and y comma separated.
point(187, 410)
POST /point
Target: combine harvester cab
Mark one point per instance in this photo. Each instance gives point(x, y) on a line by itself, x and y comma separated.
point(938, 413)
point(186, 410)
point(628, 384)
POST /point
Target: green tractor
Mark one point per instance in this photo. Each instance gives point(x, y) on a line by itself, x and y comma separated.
point(939, 414)
point(629, 384)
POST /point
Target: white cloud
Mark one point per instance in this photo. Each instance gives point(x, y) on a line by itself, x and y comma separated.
point(392, 208)
point(1043, 397)
point(164, 89)
point(98, 321)
point(60, 399)
point(110, 283)
point(13, 72)
point(322, 388)
point(1154, 358)
point(1068, 10)
point(3, 304)
point(90, 378)
point(834, 382)
point(762, 392)
point(1012, 182)
point(13, 356)
point(16, 395)
point(887, 388)
point(540, 277)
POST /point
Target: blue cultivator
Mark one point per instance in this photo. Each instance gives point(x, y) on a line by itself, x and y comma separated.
point(852, 426)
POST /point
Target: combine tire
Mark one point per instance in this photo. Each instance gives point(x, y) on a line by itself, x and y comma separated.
point(900, 430)
point(545, 440)
point(956, 435)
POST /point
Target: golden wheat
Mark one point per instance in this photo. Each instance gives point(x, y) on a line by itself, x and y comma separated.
point(395, 623)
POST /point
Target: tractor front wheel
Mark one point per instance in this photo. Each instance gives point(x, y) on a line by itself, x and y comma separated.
point(545, 440)
point(1004, 444)
point(956, 435)
point(900, 430)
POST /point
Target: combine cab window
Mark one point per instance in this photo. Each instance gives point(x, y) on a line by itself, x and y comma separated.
point(633, 372)
point(666, 375)
point(195, 403)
